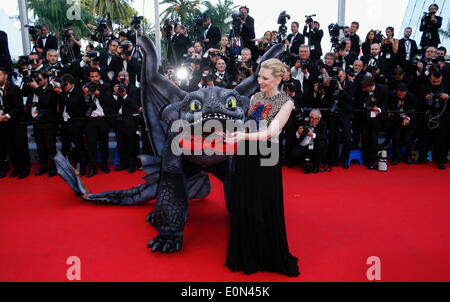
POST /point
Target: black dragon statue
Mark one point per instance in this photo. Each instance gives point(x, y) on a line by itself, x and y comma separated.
point(174, 177)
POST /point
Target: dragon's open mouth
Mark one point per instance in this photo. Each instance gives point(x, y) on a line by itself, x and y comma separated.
point(214, 116)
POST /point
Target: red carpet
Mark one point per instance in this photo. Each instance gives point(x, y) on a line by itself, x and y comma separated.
point(335, 221)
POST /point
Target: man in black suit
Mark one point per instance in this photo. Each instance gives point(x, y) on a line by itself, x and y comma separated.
point(373, 98)
point(354, 38)
point(345, 57)
point(46, 41)
point(430, 25)
point(41, 108)
point(306, 74)
point(248, 31)
point(124, 61)
point(108, 59)
point(314, 36)
point(375, 63)
point(98, 97)
point(13, 135)
point(223, 77)
point(181, 43)
point(126, 98)
point(407, 50)
point(434, 100)
point(211, 35)
point(404, 124)
point(294, 40)
point(311, 137)
point(5, 57)
point(72, 108)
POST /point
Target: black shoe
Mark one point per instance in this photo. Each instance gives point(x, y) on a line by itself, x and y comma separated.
point(2, 174)
point(23, 175)
point(371, 167)
point(40, 172)
point(395, 162)
point(345, 166)
point(91, 173)
point(441, 166)
point(121, 168)
point(15, 173)
point(131, 170)
point(409, 161)
point(52, 173)
point(105, 168)
point(315, 170)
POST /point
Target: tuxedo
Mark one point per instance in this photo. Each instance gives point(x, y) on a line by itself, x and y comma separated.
point(180, 44)
point(97, 126)
point(355, 44)
point(248, 34)
point(402, 135)
point(13, 135)
point(119, 64)
point(47, 43)
point(226, 80)
point(407, 50)
point(73, 108)
point(347, 61)
point(214, 35)
point(296, 41)
point(370, 123)
point(126, 125)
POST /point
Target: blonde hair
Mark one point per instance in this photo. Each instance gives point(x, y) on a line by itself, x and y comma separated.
point(276, 66)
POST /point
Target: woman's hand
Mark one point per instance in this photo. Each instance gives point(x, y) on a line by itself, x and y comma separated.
point(234, 138)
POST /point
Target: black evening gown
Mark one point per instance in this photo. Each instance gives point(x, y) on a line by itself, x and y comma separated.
point(258, 240)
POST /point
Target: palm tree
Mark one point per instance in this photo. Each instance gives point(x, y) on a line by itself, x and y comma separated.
point(54, 14)
point(221, 13)
point(183, 11)
point(116, 11)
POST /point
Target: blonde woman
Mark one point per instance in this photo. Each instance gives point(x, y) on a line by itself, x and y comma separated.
point(258, 240)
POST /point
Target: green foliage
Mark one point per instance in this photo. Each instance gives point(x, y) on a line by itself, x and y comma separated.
point(221, 13)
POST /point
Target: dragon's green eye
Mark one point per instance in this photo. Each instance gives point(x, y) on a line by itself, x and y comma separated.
point(196, 105)
point(231, 103)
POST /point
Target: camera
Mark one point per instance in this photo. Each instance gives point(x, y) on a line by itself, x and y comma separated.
point(208, 77)
point(350, 71)
point(289, 84)
point(282, 20)
point(136, 22)
point(30, 76)
point(65, 35)
point(378, 36)
point(33, 30)
point(92, 87)
point(57, 83)
point(168, 27)
point(435, 101)
point(309, 19)
point(127, 48)
point(334, 30)
point(303, 64)
point(24, 60)
point(340, 46)
point(94, 57)
point(122, 85)
point(91, 106)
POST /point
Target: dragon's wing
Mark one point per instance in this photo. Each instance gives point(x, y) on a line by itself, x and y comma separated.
point(156, 93)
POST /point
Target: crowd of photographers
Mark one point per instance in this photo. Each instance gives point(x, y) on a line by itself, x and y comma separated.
point(345, 97)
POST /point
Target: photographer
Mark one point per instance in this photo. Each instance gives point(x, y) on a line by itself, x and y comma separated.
point(314, 35)
point(311, 143)
point(354, 38)
point(400, 77)
point(41, 108)
point(292, 87)
point(424, 64)
point(5, 57)
point(305, 71)
point(373, 99)
point(340, 98)
point(247, 32)
point(13, 135)
point(72, 108)
point(244, 63)
point(403, 124)
point(433, 129)
point(46, 41)
point(430, 25)
point(98, 99)
point(212, 34)
point(344, 57)
point(91, 60)
point(294, 40)
point(208, 78)
point(376, 64)
point(54, 67)
point(109, 59)
point(126, 102)
point(70, 50)
point(102, 33)
point(181, 43)
point(126, 62)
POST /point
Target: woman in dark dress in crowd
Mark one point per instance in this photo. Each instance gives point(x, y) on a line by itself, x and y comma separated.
point(370, 39)
point(258, 240)
point(389, 49)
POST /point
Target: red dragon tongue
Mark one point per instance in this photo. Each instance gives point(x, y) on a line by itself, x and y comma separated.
point(197, 143)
